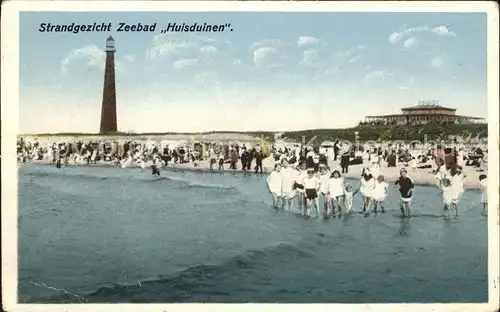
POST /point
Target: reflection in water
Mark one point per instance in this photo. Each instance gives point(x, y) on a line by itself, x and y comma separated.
point(404, 227)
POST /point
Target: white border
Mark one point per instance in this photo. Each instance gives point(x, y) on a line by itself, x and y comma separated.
point(10, 116)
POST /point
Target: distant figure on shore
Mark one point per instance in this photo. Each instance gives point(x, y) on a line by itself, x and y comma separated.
point(221, 162)
point(259, 156)
point(392, 159)
point(336, 150)
point(233, 155)
point(344, 161)
point(244, 158)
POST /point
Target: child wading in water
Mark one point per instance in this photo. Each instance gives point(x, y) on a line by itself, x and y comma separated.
point(406, 190)
point(298, 186)
point(311, 185)
point(274, 184)
point(483, 181)
point(449, 200)
point(336, 189)
point(349, 194)
point(324, 189)
point(367, 189)
point(380, 194)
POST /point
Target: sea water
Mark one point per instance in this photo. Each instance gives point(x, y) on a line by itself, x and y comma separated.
point(93, 234)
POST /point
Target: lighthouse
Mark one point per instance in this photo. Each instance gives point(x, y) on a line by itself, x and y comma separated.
point(108, 110)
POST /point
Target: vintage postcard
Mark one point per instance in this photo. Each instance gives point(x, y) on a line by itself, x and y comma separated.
point(166, 154)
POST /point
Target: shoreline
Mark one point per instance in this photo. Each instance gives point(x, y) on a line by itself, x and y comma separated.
point(421, 177)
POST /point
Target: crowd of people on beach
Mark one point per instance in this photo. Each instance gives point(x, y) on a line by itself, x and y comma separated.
point(144, 155)
point(312, 178)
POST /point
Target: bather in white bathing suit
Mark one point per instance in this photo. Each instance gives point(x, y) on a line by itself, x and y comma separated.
point(287, 179)
point(367, 187)
point(457, 186)
point(484, 190)
point(336, 187)
point(274, 183)
point(324, 183)
point(380, 193)
point(449, 195)
point(348, 200)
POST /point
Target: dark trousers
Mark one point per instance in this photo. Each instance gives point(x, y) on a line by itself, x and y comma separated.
point(258, 166)
point(345, 168)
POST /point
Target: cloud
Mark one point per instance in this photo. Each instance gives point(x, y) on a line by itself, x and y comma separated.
point(306, 40)
point(166, 46)
point(209, 49)
point(443, 31)
point(266, 43)
point(261, 55)
point(410, 43)
point(92, 57)
point(437, 62)
point(396, 37)
point(185, 63)
point(378, 75)
point(309, 57)
point(130, 58)
point(406, 84)
point(355, 59)
point(352, 52)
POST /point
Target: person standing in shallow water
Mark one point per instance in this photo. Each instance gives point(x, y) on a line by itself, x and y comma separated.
point(406, 191)
point(380, 194)
point(287, 181)
point(311, 186)
point(274, 182)
point(367, 189)
point(336, 191)
point(483, 181)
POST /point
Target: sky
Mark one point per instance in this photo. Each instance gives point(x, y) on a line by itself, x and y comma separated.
point(275, 71)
